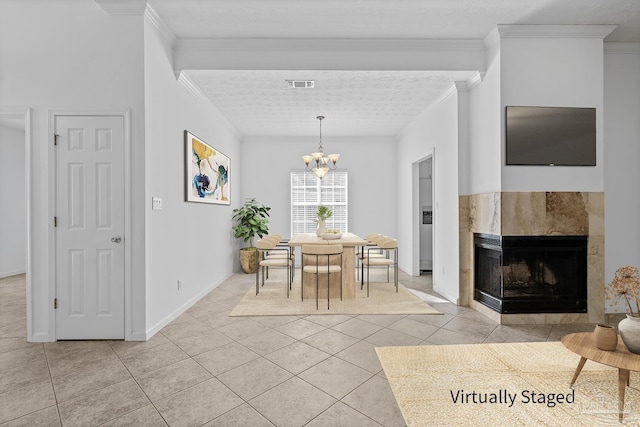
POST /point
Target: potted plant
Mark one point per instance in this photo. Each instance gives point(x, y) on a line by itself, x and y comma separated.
point(322, 214)
point(251, 220)
point(626, 284)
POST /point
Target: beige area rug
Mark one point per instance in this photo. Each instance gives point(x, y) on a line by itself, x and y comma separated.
point(435, 386)
point(272, 301)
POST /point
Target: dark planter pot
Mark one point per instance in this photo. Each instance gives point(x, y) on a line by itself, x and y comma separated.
point(249, 260)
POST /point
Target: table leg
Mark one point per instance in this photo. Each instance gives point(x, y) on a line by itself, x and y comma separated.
point(583, 360)
point(348, 272)
point(623, 379)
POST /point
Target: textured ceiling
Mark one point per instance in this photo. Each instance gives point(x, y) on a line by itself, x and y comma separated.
point(355, 103)
point(358, 102)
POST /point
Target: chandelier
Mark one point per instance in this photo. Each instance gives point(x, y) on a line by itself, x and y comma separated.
point(318, 162)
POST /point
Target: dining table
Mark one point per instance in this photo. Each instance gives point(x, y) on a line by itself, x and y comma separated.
point(349, 242)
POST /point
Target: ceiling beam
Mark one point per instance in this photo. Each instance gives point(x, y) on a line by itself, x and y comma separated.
point(328, 54)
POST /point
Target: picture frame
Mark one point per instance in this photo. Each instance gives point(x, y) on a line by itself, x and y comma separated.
point(206, 172)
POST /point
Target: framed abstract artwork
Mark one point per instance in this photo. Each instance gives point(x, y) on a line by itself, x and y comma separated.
point(207, 172)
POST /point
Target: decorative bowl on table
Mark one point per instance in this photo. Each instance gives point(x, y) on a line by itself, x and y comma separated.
point(328, 235)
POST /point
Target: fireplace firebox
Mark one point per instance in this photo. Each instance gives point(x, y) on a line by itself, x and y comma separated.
point(531, 274)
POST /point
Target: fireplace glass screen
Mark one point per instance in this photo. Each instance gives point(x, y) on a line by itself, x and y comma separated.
point(531, 274)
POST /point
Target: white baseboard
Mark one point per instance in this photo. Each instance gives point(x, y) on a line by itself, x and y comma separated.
point(451, 298)
point(40, 337)
point(184, 307)
point(137, 336)
point(11, 273)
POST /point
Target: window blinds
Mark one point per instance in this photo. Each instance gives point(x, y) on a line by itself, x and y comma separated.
point(308, 191)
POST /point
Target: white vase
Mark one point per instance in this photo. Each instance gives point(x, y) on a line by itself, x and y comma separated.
point(321, 227)
point(629, 329)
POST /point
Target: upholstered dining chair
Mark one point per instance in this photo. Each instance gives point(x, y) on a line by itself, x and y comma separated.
point(268, 246)
point(362, 252)
point(388, 245)
point(281, 250)
point(313, 259)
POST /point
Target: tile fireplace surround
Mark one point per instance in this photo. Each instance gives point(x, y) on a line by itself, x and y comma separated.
point(536, 214)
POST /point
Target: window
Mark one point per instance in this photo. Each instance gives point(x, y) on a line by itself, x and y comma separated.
point(308, 191)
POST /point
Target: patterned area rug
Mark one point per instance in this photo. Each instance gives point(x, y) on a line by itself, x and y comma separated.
point(272, 301)
point(515, 384)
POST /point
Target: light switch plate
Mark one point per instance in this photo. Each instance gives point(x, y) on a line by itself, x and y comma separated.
point(156, 203)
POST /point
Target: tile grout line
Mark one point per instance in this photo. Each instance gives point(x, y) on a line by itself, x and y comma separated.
point(55, 396)
point(139, 386)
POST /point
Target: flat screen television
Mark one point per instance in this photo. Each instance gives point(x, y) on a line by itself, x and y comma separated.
point(551, 136)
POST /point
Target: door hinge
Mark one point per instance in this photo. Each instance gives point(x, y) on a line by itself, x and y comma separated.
point(55, 303)
point(55, 139)
point(55, 221)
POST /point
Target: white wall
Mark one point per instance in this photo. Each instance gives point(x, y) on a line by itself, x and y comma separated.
point(13, 232)
point(554, 72)
point(370, 161)
point(70, 55)
point(484, 124)
point(434, 131)
point(621, 157)
point(186, 241)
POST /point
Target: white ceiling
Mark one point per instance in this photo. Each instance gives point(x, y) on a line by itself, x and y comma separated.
point(358, 102)
point(354, 103)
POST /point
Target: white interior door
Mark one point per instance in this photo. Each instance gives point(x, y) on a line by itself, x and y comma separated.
point(89, 227)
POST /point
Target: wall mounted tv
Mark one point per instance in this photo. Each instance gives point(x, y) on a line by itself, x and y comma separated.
point(551, 136)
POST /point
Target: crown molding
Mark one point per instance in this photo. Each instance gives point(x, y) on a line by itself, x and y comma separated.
point(192, 87)
point(194, 90)
point(475, 80)
point(622, 47)
point(492, 40)
point(166, 34)
point(467, 85)
point(123, 7)
point(451, 90)
point(556, 31)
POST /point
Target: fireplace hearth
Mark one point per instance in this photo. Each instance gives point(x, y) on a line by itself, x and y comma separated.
point(531, 274)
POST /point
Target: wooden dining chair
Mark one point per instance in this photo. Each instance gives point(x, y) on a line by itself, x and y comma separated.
point(368, 261)
point(313, 259)
point(268, 246)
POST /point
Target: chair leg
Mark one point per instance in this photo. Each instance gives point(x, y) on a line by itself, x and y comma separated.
point(340, 277)
point(328, 280)
point(317, 287)
point(395, 275)
point(396, 269)
point(367, 280)
point(328, 286)
point(257, 279)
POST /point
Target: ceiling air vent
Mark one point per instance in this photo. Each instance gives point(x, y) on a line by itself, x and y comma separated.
point(301, 84)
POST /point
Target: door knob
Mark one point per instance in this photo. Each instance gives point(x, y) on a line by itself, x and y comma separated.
point(116, 239)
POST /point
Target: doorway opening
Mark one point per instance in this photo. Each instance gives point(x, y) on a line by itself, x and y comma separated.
point(426, 220)
point(15, 194)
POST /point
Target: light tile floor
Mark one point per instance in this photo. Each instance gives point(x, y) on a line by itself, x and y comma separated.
point(206, 368)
